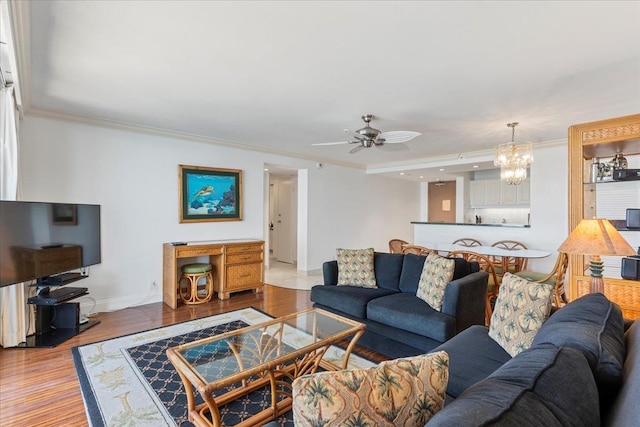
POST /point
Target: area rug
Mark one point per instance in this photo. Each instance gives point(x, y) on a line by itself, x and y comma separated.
point(129, 380)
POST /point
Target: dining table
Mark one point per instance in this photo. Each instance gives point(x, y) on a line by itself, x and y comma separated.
point(489, 250)
point(506, 259)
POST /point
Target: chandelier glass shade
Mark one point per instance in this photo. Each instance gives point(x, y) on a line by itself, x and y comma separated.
point(513, 159)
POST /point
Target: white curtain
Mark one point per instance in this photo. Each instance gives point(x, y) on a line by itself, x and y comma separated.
point(16, 317)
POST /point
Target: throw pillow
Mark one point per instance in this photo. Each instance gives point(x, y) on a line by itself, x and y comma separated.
point(355, 268)
point(521, 309)
point(400, 392)
point(437, 272)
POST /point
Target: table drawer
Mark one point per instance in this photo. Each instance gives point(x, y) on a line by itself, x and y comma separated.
point(239, 276)
point(187, 251)
point(245, 257)
point(249, 247)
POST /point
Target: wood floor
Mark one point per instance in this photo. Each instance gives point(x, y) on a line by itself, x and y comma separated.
point(39, 387)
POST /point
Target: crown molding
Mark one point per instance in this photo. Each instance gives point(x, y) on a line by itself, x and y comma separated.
point(148, 130)
point(378, 168)
point(448, 160)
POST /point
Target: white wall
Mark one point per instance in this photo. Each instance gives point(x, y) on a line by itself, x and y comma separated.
point(549, 214)
point(134, 177)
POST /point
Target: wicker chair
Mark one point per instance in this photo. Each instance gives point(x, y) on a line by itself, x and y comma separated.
point(396, 245)
point(509, 264)
point(486, 265)
point(417, 250)
point(468, 242)
point(555, 278)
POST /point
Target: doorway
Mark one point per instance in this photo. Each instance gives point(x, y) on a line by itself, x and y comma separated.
point(442, 201)
point(283, 215)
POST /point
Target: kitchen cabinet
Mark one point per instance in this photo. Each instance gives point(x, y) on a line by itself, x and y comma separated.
point(601, 139)
point(492, 192)
point(477, 191)
point(524, 192)
point(509, 194)
point(495, 193)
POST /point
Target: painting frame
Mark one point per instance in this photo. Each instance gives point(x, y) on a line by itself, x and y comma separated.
point(64, 213)
point(209, 194)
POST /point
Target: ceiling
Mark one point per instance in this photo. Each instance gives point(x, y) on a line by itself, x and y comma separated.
point(280, 76)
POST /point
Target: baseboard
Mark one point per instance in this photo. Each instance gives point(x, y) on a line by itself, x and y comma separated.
point(112, 304)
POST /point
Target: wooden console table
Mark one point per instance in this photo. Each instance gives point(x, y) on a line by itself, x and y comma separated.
point(238, 265)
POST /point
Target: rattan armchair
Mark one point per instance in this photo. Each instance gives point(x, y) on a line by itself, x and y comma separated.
point(555, 278)
point(396, 245)
point(486, 265)
point(468, 242)
point(509, 264)
point(417, 250)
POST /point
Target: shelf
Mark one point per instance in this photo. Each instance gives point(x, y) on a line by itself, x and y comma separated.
point(598, 149)
point(55, 337)
point(601, 139)
point(621, 225)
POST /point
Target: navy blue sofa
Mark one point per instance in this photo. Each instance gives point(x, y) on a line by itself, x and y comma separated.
point(399, 324)
point(582, 369)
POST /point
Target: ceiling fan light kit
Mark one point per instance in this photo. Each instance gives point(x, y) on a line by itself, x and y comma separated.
point(513, 159)
point(367, 137)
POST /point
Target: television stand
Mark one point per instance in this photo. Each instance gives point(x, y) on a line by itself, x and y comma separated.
point(56, 323)
point(55, 336)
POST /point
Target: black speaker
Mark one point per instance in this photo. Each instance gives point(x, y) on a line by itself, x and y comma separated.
point(633, 218)
point(631, 268)
point(66, 315)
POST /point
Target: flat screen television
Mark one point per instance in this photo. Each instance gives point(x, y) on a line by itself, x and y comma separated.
point(39, 240)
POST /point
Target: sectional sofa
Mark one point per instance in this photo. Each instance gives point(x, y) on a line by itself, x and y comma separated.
point(582, 369)
point(398, 322)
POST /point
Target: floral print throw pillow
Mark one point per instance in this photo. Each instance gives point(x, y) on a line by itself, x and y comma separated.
point(400, 392)
point(437, 272)
point(520, 310)
point(355, 268)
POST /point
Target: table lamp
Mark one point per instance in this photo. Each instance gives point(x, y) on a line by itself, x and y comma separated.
point(596, 237)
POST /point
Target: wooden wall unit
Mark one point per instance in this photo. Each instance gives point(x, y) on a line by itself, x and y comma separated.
point(238, 265)
point(603, 139)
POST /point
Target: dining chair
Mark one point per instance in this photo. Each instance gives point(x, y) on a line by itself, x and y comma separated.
point(486, 265)
point(417, 250)
point(556, 278)
point(468, 242)
point(395, 245)
point(509, 264)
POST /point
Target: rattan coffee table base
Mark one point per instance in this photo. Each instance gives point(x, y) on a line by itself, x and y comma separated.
point(263, 360)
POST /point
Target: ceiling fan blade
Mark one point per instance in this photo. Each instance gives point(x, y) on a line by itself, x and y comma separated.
point(394, 147)
point(333, 143)
point(354, 135)
point(356, 149)
point(397, 136)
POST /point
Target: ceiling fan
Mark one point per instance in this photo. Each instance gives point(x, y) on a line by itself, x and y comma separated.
point(370, 137)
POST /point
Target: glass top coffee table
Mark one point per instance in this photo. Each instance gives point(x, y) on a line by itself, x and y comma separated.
point(271, 354)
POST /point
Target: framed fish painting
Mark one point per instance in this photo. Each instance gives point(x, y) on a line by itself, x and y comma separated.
point(210, 194)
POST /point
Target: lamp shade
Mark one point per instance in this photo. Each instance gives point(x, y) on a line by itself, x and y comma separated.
point(596, 237)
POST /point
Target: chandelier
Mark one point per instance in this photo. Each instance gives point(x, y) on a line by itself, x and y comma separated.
point(513, 159)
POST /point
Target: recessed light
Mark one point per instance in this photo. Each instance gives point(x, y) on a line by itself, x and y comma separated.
point(401, 173)
point(476, 166)
point(421, 176)
point(266, 169)
point(441, 169)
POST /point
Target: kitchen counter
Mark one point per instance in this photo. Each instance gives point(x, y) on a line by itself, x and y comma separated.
point(475, 225)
